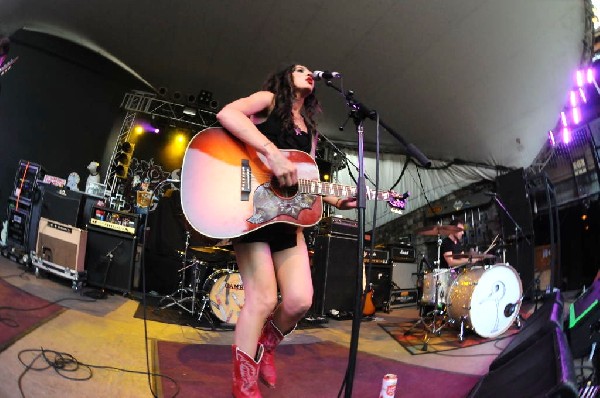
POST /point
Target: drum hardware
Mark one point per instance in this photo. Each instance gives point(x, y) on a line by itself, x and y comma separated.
point(187, 291)
point(473, 256)
point(435, 320)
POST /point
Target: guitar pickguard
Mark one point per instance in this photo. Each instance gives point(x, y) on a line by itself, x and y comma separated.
point(268, 206)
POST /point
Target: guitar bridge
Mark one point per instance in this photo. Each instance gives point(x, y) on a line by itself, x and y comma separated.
point(246, 180)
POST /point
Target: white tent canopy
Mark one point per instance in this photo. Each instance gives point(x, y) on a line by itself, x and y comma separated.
point(478, 80)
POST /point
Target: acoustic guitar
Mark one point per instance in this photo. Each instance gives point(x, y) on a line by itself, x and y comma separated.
point(227, 190)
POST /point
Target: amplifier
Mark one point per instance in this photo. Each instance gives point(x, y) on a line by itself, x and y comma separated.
point(114, 220)
point(403, 253)
point(379, 256)
point(338, 226)
point(61, 244)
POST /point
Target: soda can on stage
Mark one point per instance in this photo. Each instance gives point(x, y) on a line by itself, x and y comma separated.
point(388, 387)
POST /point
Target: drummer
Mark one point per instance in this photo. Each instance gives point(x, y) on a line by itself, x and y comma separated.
point(452, 245)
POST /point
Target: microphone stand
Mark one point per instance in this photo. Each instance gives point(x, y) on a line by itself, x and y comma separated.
point(518, 231)
point(359, 112)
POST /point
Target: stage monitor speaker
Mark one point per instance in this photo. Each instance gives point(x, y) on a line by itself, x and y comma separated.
point(61, 244)
point(109, 259)
point(548, 316)
point(544, 369)
point(381, 279)
point(404, 275)
point(334, 272)
point(583, 325)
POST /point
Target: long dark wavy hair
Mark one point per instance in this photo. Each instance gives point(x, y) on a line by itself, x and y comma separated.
point(281, 84)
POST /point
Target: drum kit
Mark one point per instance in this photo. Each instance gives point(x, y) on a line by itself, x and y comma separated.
point(210, 286)
point(483, 298)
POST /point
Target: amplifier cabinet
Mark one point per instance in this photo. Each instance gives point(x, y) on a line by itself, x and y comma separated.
point(405, 275)
point(403, 253)
point(338, 226)
point(378, 257)
point(110, 259)
point(61, 244)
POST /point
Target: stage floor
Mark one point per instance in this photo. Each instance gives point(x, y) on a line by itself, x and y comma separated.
point(106, 333)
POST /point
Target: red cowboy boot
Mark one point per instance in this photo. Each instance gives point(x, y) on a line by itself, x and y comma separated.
point(245, 373)
point(270, 338)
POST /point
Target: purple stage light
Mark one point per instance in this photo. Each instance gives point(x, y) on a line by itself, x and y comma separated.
point(579, 78)
point(551, 137)
point(573, 99)
point(590, 75)
point(576, 115)
point(566, 135)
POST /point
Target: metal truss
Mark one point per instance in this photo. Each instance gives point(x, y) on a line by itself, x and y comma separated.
point(141, 102)
point(110, 179)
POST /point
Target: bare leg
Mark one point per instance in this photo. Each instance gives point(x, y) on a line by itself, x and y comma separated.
point(260, 293)
point(295, 285)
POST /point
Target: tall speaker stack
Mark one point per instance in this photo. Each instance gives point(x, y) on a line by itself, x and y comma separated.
point(512, 193)
point(24, 208)
point(334, 267)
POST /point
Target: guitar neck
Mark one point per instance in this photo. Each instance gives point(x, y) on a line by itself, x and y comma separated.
point(326, 188)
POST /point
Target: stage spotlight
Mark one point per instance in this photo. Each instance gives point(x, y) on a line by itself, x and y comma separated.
point(189, 111)
point(138, 129)
point(123, 159)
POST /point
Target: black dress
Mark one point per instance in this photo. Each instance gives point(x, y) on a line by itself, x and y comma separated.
point(279, 236)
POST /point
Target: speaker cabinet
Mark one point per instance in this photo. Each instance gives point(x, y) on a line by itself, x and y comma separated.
point(334, 272)
point(512, 192)
point(381, 278)
point(62, 205)
point(404, 275)
point(544, 369)
point(109, 259)
point(61, 244)
point(548, 316)
point(583, 326)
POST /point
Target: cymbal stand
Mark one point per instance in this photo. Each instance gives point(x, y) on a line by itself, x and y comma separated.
point(431, 319)
point(186, 291)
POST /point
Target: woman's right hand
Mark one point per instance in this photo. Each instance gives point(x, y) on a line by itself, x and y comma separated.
point(282, 168)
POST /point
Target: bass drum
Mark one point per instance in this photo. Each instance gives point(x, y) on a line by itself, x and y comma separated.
point(488, 299)
point(226, 294)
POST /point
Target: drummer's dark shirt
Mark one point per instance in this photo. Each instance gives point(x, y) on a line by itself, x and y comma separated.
point(449, 246)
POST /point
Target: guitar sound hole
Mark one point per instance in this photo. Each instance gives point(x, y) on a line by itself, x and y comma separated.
point(283, 192)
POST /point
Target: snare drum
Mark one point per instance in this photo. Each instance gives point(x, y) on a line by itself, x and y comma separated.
point(440, 278)
point(226, 294)
point(488, 299)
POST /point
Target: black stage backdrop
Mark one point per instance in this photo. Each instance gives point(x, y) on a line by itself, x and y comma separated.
point(59, 107)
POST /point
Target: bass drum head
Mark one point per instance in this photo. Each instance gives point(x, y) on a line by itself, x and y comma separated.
point(226, 294)
point(498, 290)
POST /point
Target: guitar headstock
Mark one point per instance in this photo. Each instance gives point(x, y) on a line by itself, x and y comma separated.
point(6, 67)
point(397, 202)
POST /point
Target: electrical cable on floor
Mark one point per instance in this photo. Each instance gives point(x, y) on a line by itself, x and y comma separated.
point(14, 324)
point(64, 364)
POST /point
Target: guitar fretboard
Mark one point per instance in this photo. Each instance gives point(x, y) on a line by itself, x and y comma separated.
point(326, 188)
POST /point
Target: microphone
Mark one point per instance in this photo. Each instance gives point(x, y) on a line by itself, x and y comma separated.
point(320, 74)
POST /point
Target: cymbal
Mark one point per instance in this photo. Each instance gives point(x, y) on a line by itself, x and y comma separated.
point(472, 256)
point(435, 230)
point(210, 249)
